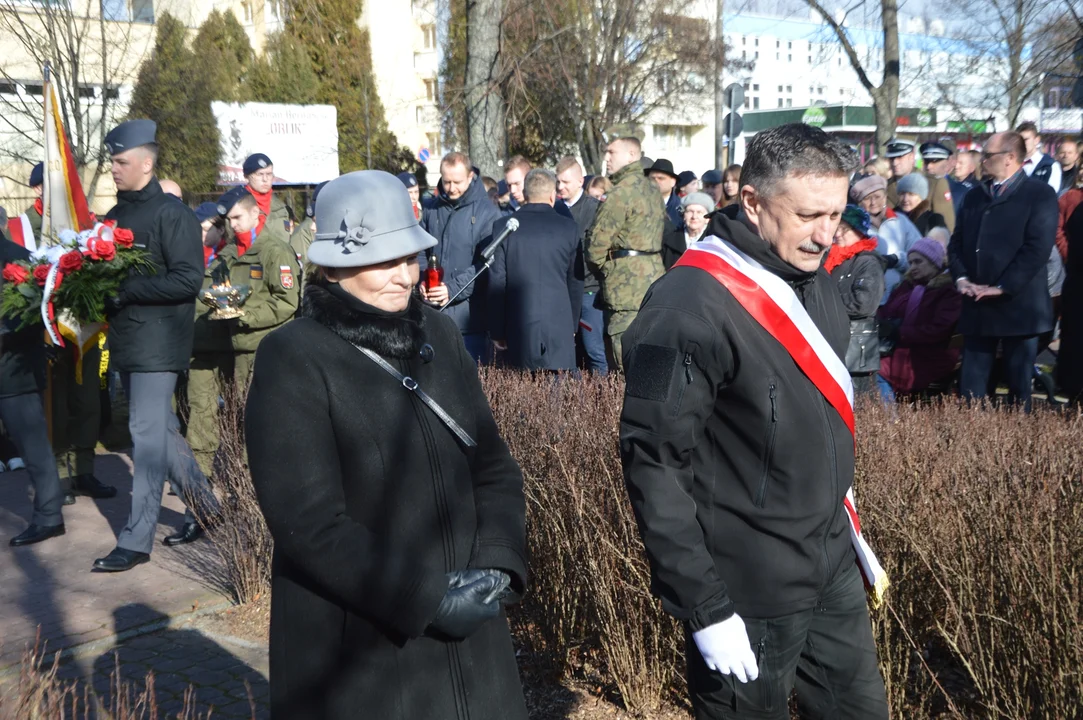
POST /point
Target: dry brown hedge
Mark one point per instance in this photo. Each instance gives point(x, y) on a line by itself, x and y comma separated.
point(974, 513)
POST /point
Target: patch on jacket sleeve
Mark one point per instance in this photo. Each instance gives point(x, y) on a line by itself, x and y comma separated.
point(285, 275)
point(650, 370)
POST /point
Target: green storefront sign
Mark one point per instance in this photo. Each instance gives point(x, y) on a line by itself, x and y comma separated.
point(835, 117)
point(972, 127)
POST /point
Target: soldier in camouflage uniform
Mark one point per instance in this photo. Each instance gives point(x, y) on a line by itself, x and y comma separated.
point(625, 246)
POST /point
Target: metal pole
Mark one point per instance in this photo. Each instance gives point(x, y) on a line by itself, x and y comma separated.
point(720, 147)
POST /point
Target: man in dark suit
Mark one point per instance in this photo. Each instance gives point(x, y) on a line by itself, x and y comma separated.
point(583, 208)
point(534, 294)
point(998, 252)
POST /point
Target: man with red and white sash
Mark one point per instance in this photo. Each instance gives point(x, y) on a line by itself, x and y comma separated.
point(25, 229)
point(737, 442)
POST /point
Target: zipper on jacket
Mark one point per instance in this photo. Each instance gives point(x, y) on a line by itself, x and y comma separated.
point(687, 362)
point(824, 410)
point(761, 494)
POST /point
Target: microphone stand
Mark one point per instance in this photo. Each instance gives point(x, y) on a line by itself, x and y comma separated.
point(487, 254)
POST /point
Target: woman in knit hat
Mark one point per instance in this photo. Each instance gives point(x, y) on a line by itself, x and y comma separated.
point(894, 231)
point(913, 192)
point(855, 266)
point(918, 322)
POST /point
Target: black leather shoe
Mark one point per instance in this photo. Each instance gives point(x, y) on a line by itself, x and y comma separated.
point(91, 487)
point(37, 533)
point(190, 532)
point(69, 498)
point(120, 560)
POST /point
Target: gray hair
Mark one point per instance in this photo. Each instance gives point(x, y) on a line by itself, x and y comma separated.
point(539, 183)
point(794, 149)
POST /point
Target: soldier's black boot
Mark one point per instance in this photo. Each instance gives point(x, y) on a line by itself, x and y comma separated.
point(92, 487)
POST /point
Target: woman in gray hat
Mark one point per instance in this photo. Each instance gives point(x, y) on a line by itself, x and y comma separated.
point(396, 509)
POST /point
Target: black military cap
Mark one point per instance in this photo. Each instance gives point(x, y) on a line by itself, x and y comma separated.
point(131, 134)
point(408, 179)
point(934, 151)
point(37, 175)
point(255, 163)
point(230, 198)
point(311, 209)
point(898, 148)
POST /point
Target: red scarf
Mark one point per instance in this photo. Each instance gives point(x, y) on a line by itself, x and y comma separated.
point(838, 254)
point(264, 202)
point(40, 207)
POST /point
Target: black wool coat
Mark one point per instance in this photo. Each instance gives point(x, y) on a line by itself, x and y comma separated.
point(1070, 358)
point(22, 352)
point(371, 499)
point(1006, 241)
point(534, 294)
point(154, 330)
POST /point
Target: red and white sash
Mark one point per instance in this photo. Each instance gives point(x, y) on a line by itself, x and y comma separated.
point(22, 233)
point(775, 306)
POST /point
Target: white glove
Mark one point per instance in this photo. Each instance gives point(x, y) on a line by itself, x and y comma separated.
point(725, 648)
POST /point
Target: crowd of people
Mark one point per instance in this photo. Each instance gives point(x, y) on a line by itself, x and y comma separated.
point(885, 280)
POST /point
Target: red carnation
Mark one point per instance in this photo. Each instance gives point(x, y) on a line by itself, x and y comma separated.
point(99, 249)
point(71, 261)
point(16, 274)
point(41, 274)
point(123, 237)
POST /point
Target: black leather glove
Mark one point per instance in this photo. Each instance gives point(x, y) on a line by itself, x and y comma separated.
point(114, 304)
point(889, 261)
point(472, 599)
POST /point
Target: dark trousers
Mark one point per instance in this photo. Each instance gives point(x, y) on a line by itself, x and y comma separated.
point(594, 339)
point(77, 412)
point(24, 418)
point(825, 652)
point(979, 355)
point(159, 453)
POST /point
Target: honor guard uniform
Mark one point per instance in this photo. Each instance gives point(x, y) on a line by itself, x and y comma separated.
point(940, 197)
point(150, 344)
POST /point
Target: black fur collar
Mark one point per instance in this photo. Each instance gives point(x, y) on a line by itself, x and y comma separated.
point(392, 335)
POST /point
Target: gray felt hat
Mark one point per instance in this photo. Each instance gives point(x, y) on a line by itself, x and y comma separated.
point(365, 218)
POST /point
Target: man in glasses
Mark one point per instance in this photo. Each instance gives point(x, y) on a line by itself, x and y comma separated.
point(1003, 238)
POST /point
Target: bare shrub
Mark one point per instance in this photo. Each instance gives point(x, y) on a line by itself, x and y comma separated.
point(39, 694)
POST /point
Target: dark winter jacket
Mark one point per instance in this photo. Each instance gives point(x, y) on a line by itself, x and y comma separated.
point(923, 352)
point(860, 278)
point(534, 295)
point(22, 352)
point(153, 331)
point(1070, 357)
point(463, 228)
point(583, 213)
point(1006, 241)
point(673, 244)
point(370, 500)
point(924, 218)
point(735, 463)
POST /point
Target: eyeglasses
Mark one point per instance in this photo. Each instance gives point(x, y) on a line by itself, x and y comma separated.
point(269, 175)
point(986, 155)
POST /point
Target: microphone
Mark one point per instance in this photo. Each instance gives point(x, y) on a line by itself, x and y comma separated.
point(512, 226)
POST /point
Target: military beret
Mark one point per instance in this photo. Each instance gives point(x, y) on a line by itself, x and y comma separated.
point(898, 148)
point(230, 198)
point(131, 134)
point(685, 177)
point(206, 211)
point(256, 162)
point(934, 151)
point(37, 175)
point(408, 179)
point(711, 177)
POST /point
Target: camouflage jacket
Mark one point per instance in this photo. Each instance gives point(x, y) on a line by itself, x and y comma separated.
point(631, 218)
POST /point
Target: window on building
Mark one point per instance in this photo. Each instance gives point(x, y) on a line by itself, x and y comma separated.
point(34, 89)
point(111, 93)
point(789, 102)
point(778, 56)
point(809, 59)
point(143, 11)
point(430, 90)
point(8, 88)
point(757, 42)
point(789, 45)
point(86, 91)
point(780, 88)
point(819, 91)
point(433, 139)
point(747, 102)
point(115, 10)
point(789, 89)
point(755, 87)
point(673, 137)
point(744, 40)
point(789, 58)
point(746, 85)
point(429, 33)
point(755, 103)
point(778, 43)
point(756, 55)
point(744, 55)
point(246, 11)
point(270, 10)
point(780, 102)
point(419, 115)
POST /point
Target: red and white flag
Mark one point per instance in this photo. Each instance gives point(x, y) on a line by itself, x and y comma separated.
point(775, 306)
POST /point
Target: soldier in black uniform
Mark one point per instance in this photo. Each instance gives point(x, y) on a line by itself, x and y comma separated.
point(151, 323)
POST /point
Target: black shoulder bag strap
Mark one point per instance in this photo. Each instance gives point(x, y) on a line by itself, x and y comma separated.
point(410, 384)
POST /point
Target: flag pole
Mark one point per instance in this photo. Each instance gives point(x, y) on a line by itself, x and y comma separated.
point(50, 376)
